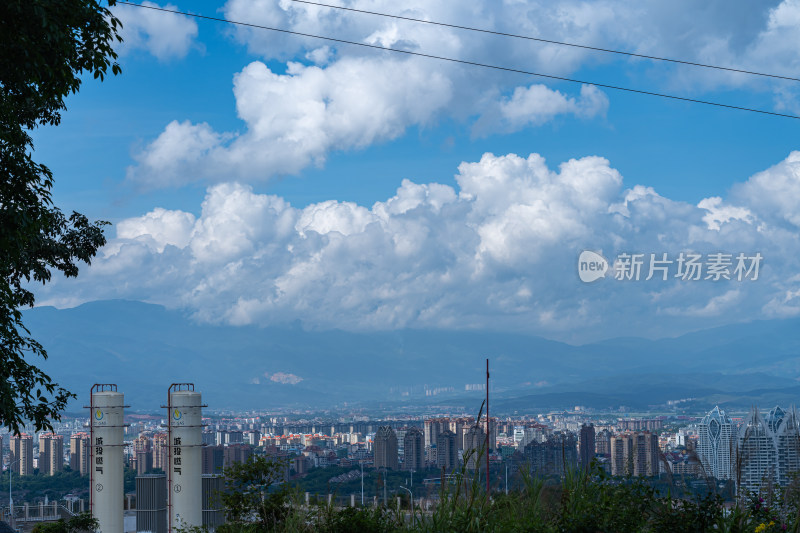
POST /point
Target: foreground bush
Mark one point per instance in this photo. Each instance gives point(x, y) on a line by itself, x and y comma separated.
point(581, 502)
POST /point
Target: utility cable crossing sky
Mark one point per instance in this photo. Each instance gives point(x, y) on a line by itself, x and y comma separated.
point(548, 41)
point(472, 63)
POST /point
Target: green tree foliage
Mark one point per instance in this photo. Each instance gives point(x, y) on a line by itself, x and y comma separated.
point(36, 487)
point(76, 524)
point(255, 492)
point(377, 520)
point(47, 45)
point(590, 502)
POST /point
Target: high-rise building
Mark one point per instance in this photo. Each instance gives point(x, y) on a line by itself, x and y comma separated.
point(602, 442)
point(209, 438)
point(252, 437)
point(21, 447)
point(756, 454)
point(474, 447)
point(51, 453)
point(641, 424)
point(385, 448)
point(142, 443)
point(213, 459)
point(492, 424)
point(621, 457)
point(432, 427)
point(446, 451)
point(459, 426)
point(635, 454)
point(143, 454)
point(587, 445)
point(716, 444)
point(774, 419)
point(788, 442)
point(79, 453)
point(234, 437)
point(413, 450)
point(646, 454)
point(160, 451)
point(143, 462)
point(401, 441)
point(236, 453)
point(555, 456)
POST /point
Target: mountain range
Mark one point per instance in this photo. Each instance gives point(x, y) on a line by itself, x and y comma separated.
point(144, 347)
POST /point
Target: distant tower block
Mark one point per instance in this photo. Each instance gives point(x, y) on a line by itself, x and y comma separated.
point(185, 431)
point(105, 457)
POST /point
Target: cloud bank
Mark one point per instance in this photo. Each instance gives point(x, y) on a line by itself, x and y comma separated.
point(294, 120)
point(318, 97)
point(498, 251)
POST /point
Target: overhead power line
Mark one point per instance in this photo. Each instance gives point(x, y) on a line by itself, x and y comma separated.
point(549, 41)
point(466, 62)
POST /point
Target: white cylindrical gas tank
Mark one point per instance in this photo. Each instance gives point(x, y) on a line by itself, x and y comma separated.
point(107, 424)
point(186, 459)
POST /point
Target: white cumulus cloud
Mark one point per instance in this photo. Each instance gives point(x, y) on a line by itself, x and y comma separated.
point(295, 119)
point(348, 98)
point(499, 250)
point(164, 35)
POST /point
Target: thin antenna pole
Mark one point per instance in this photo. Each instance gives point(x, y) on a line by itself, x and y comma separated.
point(488, 427)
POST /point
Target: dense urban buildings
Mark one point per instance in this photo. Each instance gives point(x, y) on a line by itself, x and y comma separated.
point(557, 455)
point(743, 452)
point(635, 454)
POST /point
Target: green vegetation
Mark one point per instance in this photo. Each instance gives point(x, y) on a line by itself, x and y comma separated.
point(317, 481)
point(36, 487)
point(582, 502)
point(76, 524)
point(247, 495)
point(47, 48)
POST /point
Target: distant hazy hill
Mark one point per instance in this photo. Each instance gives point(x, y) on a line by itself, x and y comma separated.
point(143, 348)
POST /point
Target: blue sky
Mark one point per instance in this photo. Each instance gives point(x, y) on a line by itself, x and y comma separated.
point(322, 134)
